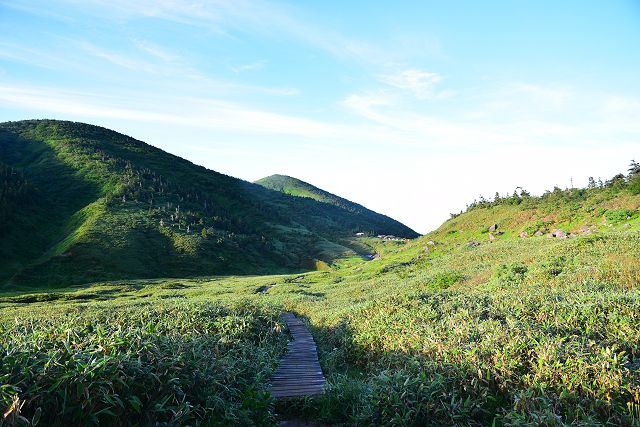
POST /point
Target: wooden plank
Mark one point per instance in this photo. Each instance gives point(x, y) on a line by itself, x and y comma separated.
point(294, 387)
point(299, 373)
point(297, 394)
point(291, 393)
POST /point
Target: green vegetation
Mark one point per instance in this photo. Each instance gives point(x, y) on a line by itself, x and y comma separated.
point(575, 211)
point(82, 203)
point(295, 187)
point(166, 362)
point(518, 331)
point(468, 325)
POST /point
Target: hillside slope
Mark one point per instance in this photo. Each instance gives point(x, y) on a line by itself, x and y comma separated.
point(558, 213)
point(295, 187)
point(82, 203)
point(454, 327)
point(535, 331)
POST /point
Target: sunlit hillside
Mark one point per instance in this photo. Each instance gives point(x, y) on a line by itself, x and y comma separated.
point(472, 324)
point(83, 203)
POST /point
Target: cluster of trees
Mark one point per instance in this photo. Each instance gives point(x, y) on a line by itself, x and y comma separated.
point(187, 208)
point(15, 192)
point(630, 181)
point(519, 195)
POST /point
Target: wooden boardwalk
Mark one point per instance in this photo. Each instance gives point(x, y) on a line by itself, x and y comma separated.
point(299, 373)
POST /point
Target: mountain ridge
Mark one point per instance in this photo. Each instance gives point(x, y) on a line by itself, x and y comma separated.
point(298, 188)
point(84, 203)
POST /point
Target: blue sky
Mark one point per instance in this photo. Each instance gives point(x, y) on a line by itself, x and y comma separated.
point(410, 108)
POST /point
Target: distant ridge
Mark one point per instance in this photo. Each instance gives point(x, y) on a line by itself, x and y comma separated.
point(82, 203)
point(295, 187)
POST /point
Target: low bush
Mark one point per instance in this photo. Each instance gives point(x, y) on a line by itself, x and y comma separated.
point(163, 364)
point(619, 215)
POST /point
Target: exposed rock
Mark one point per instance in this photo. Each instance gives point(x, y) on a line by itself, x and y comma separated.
point(493, 228)
point(473, 244)
point(627, 225)
point(539, 233)
point(585, 230)
point(559, 234)
point(263, 289)
point(389, 237)
point(431, 242)
point(524, 234)
point(491, 236)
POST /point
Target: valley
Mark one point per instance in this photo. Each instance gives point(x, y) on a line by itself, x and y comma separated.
point(495, 318)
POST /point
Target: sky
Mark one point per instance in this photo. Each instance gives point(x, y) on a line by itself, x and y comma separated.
point(411, 108)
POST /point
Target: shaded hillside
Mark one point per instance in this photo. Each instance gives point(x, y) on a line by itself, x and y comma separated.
point(295, 187)
point(82, 203)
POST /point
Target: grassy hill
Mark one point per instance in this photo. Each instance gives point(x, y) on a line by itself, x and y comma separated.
point(452, 328)
point(576, 211)
point(82, 203)
point(295, 187)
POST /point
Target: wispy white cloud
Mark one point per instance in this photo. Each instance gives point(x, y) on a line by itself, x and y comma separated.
point(156, 50)
point(169, 69)
point(420, 83)
point(227, 17)
point(40, 58)
point(368, 105)
point(520, 115)
point(252, 66)
point(118, 59)
point(553, 96)
point(183, 111)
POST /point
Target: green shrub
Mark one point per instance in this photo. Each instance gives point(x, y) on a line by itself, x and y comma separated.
point(444, 280)
point(554, 266)
point(167, 363)
point(511, 273)
point(620, 215)
point(634, 184)
point(539, 225)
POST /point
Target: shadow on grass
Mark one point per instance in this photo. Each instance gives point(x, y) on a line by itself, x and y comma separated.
point(390, 388)
point(367, 387)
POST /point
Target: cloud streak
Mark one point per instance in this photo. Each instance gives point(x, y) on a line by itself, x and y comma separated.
point(419, 83)
point(182, 111)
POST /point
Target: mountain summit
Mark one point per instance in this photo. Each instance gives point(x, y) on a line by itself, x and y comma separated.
point(295, 187)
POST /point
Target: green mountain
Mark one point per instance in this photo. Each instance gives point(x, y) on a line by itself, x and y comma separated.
point(295, 187)
point(476, 323)
point(81, 203)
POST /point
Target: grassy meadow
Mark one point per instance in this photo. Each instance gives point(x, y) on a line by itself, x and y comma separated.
point(537, 331)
